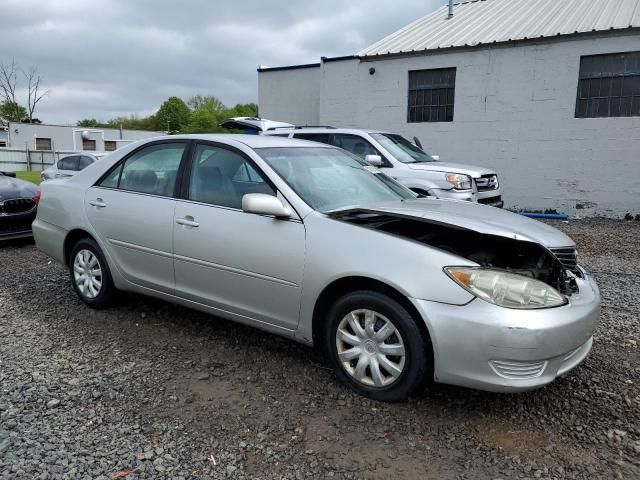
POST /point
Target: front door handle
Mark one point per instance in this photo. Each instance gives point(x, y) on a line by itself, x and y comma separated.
point(187, 221)
point(98, 203)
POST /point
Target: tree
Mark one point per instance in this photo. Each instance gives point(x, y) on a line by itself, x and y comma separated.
point(202, 120)
point(8, 88)
point(88, 122)
point(242, 110)
point(34, 90)
point(8, 82)
point(173, 115)
point(12, 112)
point(207, 102)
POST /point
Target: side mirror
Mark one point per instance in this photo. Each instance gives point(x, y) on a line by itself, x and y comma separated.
point(375, 160)
point(436, 157)
point(263, 204)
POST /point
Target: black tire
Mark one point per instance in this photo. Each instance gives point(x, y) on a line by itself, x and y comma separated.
point(106, 293)
point(418, 359)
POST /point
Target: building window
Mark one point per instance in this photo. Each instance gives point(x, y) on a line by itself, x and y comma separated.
point(110, 145)
point(43, 143)
point(609, 86)
point(431, 94)
point(88, 144)
point(3, 144)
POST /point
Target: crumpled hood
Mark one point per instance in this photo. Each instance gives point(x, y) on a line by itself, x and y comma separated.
point(446, 167)
point(15, 188)
point(476, 217)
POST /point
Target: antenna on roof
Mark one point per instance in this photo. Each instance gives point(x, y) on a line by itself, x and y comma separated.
point(450, 9)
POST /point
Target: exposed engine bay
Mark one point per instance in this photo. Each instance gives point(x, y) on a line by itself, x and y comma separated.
point(492, 251)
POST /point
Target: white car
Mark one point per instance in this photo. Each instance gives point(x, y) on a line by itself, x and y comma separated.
point(402, 160)
point(69, 166)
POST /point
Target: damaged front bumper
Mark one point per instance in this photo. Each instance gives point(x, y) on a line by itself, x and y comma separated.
point(484, 346)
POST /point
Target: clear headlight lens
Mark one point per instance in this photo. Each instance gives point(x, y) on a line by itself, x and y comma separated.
point(459, 182)
point(506, 289)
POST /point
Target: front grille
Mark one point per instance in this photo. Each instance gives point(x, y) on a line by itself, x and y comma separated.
point(518, 370)
point(16, 206)
point(487, 182)
point(490, 200)
point(12, 227)
point(568, 256)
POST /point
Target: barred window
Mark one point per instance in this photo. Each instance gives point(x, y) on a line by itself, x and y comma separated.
point(609, 86)
point(110, 145)
point(431, 95)
point(88, 144)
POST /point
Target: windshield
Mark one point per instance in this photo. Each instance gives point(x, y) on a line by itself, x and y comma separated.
point(328, 179)
point(401, 148)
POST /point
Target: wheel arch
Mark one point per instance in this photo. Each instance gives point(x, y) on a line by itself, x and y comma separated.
point(342, 286)
point(71, 239)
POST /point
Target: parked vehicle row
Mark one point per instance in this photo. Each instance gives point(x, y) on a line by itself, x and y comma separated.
point(308, 241)
point(406, 162)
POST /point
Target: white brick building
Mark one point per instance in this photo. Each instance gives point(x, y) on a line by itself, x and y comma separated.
point(547, 92)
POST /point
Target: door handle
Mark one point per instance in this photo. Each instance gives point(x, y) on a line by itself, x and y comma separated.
point(187, 221)
point(98, 203)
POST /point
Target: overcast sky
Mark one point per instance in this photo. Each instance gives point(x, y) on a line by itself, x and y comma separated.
point(103, 58)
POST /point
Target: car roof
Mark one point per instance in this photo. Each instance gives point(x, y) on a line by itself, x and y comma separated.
point(252, 141)
point(328, 130)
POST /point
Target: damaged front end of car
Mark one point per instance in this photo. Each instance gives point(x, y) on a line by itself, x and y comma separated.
point(489, 251)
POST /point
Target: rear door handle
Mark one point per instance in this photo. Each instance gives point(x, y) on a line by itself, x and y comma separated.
point(187, 221)
point(98, 203)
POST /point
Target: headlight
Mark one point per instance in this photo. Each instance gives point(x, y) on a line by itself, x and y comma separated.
point(459, 182)
point(506, 289)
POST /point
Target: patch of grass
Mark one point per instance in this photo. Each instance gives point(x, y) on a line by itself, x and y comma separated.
point(33, 177)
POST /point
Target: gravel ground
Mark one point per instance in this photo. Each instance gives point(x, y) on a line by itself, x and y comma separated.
point(152, 390)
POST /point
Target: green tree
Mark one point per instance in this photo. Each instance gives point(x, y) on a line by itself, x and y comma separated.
point(207, 102)
point(202, 120)
point(173, 115)
point(88, 122)
point(12, 112)
point(242, 110)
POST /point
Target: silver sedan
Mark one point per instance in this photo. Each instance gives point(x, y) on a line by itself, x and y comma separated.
point(306, 241)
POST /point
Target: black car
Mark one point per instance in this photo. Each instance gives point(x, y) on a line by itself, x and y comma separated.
point(17, 207)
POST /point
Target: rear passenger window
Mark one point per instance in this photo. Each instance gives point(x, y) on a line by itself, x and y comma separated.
point(354, 144)
point(85, 162)
point(69, 163)
point(222, 177)
point(152, 170)
point(314, 137)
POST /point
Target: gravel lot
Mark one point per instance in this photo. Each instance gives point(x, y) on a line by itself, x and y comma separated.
point(151, 390)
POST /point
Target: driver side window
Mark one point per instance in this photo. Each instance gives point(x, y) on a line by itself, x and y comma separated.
point(220, 176)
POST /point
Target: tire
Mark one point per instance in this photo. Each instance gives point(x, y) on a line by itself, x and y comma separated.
point(95, 290)
point(407, 362)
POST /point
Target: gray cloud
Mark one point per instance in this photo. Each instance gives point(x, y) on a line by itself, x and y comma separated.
point(102, 58)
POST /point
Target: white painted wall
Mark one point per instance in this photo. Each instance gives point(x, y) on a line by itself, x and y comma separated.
point(291, 96)
point(69, 138)
point(514, 112)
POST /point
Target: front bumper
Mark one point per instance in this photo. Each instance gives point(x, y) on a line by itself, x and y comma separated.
point(16, 226)
point(492, 198)
point(483, 346)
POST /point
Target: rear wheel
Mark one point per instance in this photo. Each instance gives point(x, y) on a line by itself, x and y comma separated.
point(376, 347)
point(90, 274)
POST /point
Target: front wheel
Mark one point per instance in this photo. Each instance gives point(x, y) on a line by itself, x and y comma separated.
point(90, 274)
point(376, 347)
